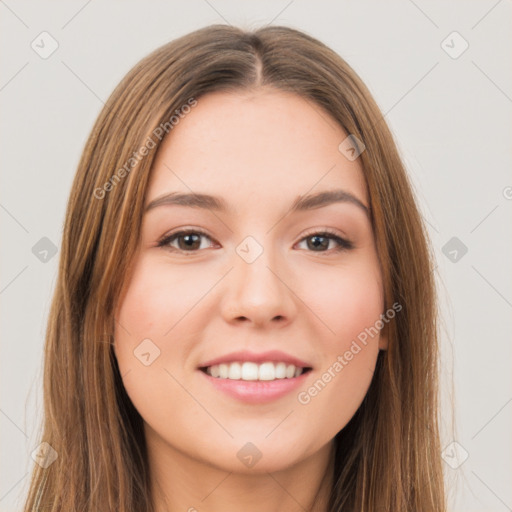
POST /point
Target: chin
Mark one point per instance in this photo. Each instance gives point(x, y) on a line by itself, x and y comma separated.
point(261, 456)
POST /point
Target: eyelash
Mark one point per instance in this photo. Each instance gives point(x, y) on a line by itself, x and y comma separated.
point(343, 243)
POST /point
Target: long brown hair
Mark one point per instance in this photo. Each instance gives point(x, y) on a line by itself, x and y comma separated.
point(388, 456)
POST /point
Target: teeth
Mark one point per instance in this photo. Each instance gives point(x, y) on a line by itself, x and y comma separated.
point(254, 371)
point(235, 371)
point(290, 371)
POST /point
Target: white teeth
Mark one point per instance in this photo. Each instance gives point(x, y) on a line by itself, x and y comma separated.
point(267, 371)
point(253, 371)
point(249, 371)
point(235, 371)
point(280, 370)
point(290, 371)
point(223, 371)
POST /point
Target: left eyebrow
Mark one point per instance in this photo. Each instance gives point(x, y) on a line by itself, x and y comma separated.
point(302, 203)
point(325, 198)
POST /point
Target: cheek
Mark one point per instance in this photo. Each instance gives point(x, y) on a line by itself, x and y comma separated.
point(147, 321)
point(349, 307)
point(157, 300)
point(157, 310)
point(346, 302)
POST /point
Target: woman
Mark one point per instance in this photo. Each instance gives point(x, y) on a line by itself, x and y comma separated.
point(245, 313)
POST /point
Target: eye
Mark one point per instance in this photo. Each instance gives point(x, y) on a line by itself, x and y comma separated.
point(321, 240)
point(188, 241)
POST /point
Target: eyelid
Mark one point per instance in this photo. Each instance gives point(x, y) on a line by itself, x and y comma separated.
point(165, 240)
point(343, 242)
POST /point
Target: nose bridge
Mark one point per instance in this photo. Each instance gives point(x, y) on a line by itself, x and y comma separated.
point(256, 290)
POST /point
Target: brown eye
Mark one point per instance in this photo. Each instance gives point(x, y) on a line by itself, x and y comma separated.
point(320, 242)
point(187, 241)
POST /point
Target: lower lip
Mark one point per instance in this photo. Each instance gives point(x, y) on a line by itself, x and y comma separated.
point(256, 391)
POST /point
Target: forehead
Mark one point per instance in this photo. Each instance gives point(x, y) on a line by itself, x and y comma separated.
point(265, 144)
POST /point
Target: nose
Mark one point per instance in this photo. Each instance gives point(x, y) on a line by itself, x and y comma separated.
point(259, 293)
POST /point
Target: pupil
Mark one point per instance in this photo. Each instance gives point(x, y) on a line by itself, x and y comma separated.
point(316, 244)
point(190, 240)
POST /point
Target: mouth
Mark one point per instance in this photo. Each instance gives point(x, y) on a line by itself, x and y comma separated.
point(251, 371)
point(255, 378)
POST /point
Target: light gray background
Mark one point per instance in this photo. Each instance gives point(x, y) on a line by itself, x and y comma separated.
point(451, 118)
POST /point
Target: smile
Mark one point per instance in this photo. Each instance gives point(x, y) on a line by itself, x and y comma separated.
point(250, 371)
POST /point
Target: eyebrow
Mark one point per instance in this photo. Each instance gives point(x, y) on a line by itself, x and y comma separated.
point(302, 203)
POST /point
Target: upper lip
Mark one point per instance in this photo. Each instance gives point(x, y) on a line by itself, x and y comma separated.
point(274, 356)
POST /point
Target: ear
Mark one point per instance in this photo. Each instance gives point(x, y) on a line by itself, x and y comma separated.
point(383, 338)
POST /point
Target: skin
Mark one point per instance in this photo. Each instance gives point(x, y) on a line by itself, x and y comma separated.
point(258, 151)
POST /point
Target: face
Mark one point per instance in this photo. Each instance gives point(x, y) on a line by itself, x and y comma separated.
point(244, 317)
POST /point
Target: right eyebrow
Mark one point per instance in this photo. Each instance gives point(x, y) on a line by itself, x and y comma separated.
point(192, 200)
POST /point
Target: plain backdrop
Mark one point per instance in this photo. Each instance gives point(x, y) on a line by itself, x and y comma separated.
point(448, 106)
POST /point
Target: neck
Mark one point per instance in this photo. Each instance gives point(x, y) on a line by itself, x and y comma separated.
point(181, 483)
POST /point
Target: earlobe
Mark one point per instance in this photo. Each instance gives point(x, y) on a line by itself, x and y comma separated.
point(383, 338)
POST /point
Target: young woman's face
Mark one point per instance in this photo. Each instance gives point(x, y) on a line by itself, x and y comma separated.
point(249, 286)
